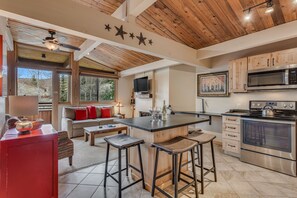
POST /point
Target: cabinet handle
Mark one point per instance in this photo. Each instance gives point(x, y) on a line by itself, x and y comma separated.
point(231, 146)
point(231, 127)
point(244, 87)
point(267, 62)
point(272, 61)
point(231, 135)
point(231, 119)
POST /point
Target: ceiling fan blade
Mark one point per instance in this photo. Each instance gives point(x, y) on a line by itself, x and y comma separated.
point(69, 46)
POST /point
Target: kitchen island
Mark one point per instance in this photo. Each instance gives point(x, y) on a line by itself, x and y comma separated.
point(154, 132)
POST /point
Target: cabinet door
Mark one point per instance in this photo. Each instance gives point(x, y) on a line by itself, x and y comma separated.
point(238, 75)
point(261, 61)
point(284, 57)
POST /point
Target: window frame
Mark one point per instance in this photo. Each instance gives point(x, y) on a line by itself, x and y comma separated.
point(69, 87)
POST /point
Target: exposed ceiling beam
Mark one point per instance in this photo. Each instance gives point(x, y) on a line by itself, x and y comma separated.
point(271, 35)
point(86, 47)
point(148, 67)
point(25, 62)
point(5, 31)
point(63, 16)
point(136, 7)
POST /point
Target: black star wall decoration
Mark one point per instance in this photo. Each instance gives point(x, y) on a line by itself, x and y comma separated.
point(120, 32)
point(141, 39)
point(131, 35)
point(107, 27)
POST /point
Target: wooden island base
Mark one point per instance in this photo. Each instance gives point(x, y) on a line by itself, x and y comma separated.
point(149, 153)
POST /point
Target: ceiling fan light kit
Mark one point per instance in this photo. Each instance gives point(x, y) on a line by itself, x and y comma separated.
point(53, 44)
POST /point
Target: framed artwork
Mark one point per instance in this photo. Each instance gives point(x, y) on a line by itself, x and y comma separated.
point(213, 84)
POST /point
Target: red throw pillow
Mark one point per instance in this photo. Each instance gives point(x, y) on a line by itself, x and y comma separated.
point(105, 113)
point(80, 114)
point(92, 112)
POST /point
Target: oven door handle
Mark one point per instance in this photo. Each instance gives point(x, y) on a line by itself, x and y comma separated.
point(270, 121)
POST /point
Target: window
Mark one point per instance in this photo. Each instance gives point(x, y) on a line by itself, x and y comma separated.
point(96, 89)
point(64, 82)
point(106, 89)
point(33, 82)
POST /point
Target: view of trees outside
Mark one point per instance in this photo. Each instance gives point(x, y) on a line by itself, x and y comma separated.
point(96, 89)
point(88, 88)
point(64, 87)
point(106, 89)
point(33, 82)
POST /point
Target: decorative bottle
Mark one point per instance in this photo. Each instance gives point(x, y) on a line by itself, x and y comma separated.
point(164, 111)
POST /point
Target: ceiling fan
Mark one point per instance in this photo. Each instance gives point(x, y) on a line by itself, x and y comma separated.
point(53, 44)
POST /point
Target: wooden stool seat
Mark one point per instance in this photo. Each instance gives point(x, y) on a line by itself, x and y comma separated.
point(123, 141)
point(176, 145)
point(200, 138)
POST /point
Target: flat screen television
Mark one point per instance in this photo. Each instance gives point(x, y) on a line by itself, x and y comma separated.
point(141, 84)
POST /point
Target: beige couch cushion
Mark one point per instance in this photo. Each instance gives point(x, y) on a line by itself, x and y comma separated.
point(69, 112)
point(104, 121)
point(79, 124)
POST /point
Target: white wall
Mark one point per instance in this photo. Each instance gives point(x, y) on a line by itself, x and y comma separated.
point(162, 87)
point(182, 88)
point(125, 86)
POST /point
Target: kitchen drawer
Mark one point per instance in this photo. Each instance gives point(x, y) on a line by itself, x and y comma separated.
point(231, 145)
point(231, 119)
point(235, 128)
point(231, 135)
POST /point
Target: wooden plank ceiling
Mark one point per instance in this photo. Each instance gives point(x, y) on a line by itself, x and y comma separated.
point(201, 23)
point(119, 58)
point(105, 6)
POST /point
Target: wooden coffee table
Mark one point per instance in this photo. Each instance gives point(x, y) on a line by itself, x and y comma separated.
point(92, 131)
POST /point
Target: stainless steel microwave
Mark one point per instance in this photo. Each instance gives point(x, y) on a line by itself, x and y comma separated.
point(277, 78)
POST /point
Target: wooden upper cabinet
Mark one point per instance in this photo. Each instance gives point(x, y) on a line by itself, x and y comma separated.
point(284, 57)
point(238, 75)
point(261, 61)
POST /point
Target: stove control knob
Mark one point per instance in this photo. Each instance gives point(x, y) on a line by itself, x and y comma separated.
point(285, 105)
point(291, 106)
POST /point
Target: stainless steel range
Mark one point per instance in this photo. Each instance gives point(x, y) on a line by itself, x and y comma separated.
point(270, 141)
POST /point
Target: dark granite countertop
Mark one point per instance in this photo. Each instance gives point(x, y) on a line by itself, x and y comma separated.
point(198, 113)
point(173, 121)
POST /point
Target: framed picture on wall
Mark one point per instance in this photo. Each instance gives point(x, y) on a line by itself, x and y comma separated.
point(213, 84)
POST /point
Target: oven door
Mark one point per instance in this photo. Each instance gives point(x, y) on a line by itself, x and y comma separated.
point(271, 137)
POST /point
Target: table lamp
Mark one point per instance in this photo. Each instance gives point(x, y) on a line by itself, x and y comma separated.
point(22, 106)
point(119, 105)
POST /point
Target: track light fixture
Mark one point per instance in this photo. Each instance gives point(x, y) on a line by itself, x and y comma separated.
point(269, 9)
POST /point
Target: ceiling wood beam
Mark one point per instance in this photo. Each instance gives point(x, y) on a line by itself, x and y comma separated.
point(5, 31)
point(271, 35)
point(136, 7)
point(51, 15)
point(148, 67)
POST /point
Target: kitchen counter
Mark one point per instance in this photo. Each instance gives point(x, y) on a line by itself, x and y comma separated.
point(198, 113)
point(154, 132)
point(173, 121)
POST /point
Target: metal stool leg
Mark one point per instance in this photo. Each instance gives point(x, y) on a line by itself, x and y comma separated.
point(194, 172)
point(180, 165)
point(127, 163)
point(213, 162)
point(155, 172)
point(172, 169)
point(106, 164)
point(202, 169)
point(141, 166)
point(198, 155)
point(120, 174)
point(175, 168)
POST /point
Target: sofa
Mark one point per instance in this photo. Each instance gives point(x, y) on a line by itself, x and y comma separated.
point(75, 128)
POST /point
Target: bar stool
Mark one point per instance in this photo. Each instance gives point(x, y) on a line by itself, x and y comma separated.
point(201, 139)
point(174, 147)
point(123, 141)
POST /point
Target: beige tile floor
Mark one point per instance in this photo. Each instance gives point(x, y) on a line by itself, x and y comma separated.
point(235, 179)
